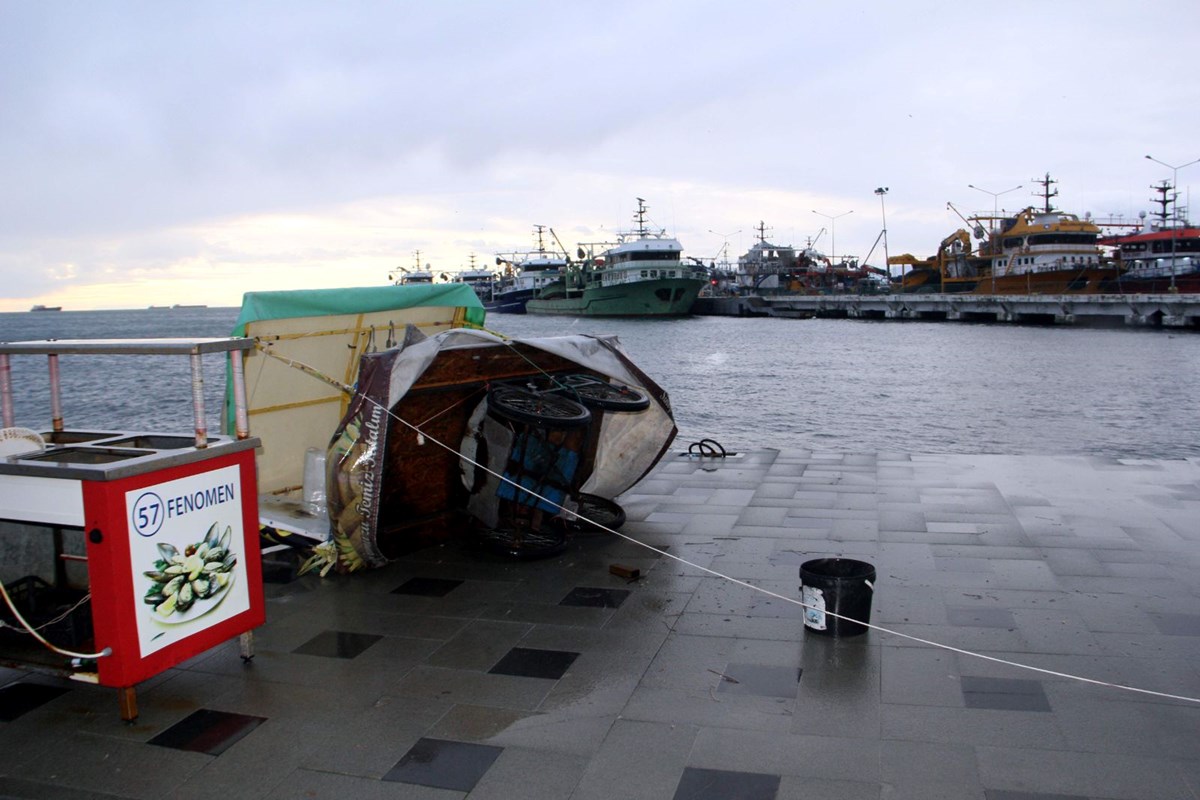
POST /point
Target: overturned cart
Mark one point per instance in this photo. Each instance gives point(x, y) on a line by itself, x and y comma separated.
point(521, 442)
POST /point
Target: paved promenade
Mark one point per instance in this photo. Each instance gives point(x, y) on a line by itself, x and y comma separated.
point(452, 673)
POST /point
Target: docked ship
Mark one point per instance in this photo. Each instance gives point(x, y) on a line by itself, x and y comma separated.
point(769, 268)
point(1165, 257)
point(481, 281)
point(420, 275)
point(525, 273)
point(1035, 251)
point(1045, 251)
point(642, 275)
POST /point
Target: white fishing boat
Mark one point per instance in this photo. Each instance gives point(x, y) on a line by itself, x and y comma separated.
point(481, 281)
point(525, 273)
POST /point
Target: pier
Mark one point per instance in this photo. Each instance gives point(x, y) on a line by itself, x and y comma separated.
point(1142, 310)
point(452, 672)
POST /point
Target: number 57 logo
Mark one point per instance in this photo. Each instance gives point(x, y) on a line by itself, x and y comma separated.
point(148, 513)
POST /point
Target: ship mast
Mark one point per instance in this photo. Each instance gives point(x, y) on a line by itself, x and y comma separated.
point(1168, 216)
point(640, 218)
point(1046, 194)
point(762, 232)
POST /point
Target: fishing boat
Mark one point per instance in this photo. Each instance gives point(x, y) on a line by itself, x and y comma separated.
point(1162, 258)
point(1045, 251)
point(1035, 251)
point(769, 268)
point(419, 275)
point(525, 273)
point(641, 275)
point(481, 281)
point(766, 268)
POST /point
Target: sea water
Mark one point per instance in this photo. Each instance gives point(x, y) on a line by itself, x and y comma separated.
point(842, 385)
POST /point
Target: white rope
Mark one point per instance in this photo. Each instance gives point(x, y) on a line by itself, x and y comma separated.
point(33, 632)
point(792, 600)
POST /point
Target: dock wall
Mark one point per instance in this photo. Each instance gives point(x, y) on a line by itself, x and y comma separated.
point(1146, 310)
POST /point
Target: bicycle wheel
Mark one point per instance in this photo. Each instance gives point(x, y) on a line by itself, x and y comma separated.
point(609, 396)
point(519, 542)
point(597, 515)
point(547, 410)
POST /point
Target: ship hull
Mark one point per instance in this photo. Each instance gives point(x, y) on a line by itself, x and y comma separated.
point(510, 302)
point(1159, 284)
point(1091, 280)
point(668, 297)
point(929, 281)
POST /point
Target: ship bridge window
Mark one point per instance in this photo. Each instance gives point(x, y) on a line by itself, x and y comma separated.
point(1063, 238)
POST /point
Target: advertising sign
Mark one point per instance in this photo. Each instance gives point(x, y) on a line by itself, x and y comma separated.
point(186, 544)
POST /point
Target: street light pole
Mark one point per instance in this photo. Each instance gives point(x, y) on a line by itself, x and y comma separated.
point(833, 231)
point(995, 214)
point(725, 251)
point(1174, 222)
point(881, 191)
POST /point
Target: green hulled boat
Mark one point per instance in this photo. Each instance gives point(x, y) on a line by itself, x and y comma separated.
point(642, 275)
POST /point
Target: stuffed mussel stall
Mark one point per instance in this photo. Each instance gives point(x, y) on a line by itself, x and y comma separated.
point(390, 421)
point(519, 442)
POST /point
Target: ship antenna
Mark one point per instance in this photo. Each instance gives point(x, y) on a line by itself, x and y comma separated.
point(541, 244)
point(1046, 183)
point(640, 217)
point(762, 232)
point(1166, 198)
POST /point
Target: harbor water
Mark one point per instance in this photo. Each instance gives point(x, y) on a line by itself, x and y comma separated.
point(842, 385)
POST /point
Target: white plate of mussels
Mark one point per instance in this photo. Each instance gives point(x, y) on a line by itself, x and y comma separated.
point(187, 584)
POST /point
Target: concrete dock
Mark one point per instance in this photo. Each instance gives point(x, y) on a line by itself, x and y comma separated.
point(1138, 310)
point(452, 673)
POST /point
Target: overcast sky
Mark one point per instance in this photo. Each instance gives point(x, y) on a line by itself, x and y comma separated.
point(169, 152)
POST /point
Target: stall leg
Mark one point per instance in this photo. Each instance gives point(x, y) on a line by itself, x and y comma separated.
point(127, 695)
point(246, 646)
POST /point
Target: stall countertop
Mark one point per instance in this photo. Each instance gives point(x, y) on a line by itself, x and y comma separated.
point(109, 460)
point(164, 346)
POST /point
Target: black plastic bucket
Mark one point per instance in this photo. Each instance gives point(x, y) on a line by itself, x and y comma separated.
point(842, 586)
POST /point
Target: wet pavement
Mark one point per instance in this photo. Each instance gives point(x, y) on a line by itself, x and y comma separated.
point(455, 673)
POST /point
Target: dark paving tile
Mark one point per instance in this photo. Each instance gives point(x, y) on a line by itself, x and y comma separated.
point(444, 764)
point(997, 794)
point(761, 680)
point(719, 784)
point(525, 662)
point(337, 644)
point(281, 567)
point(981, 617)
point(590, 597)
point(21, 698)
point(206, 731)
point(1004, 694)
point(428, 587)
point(1177, 624)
